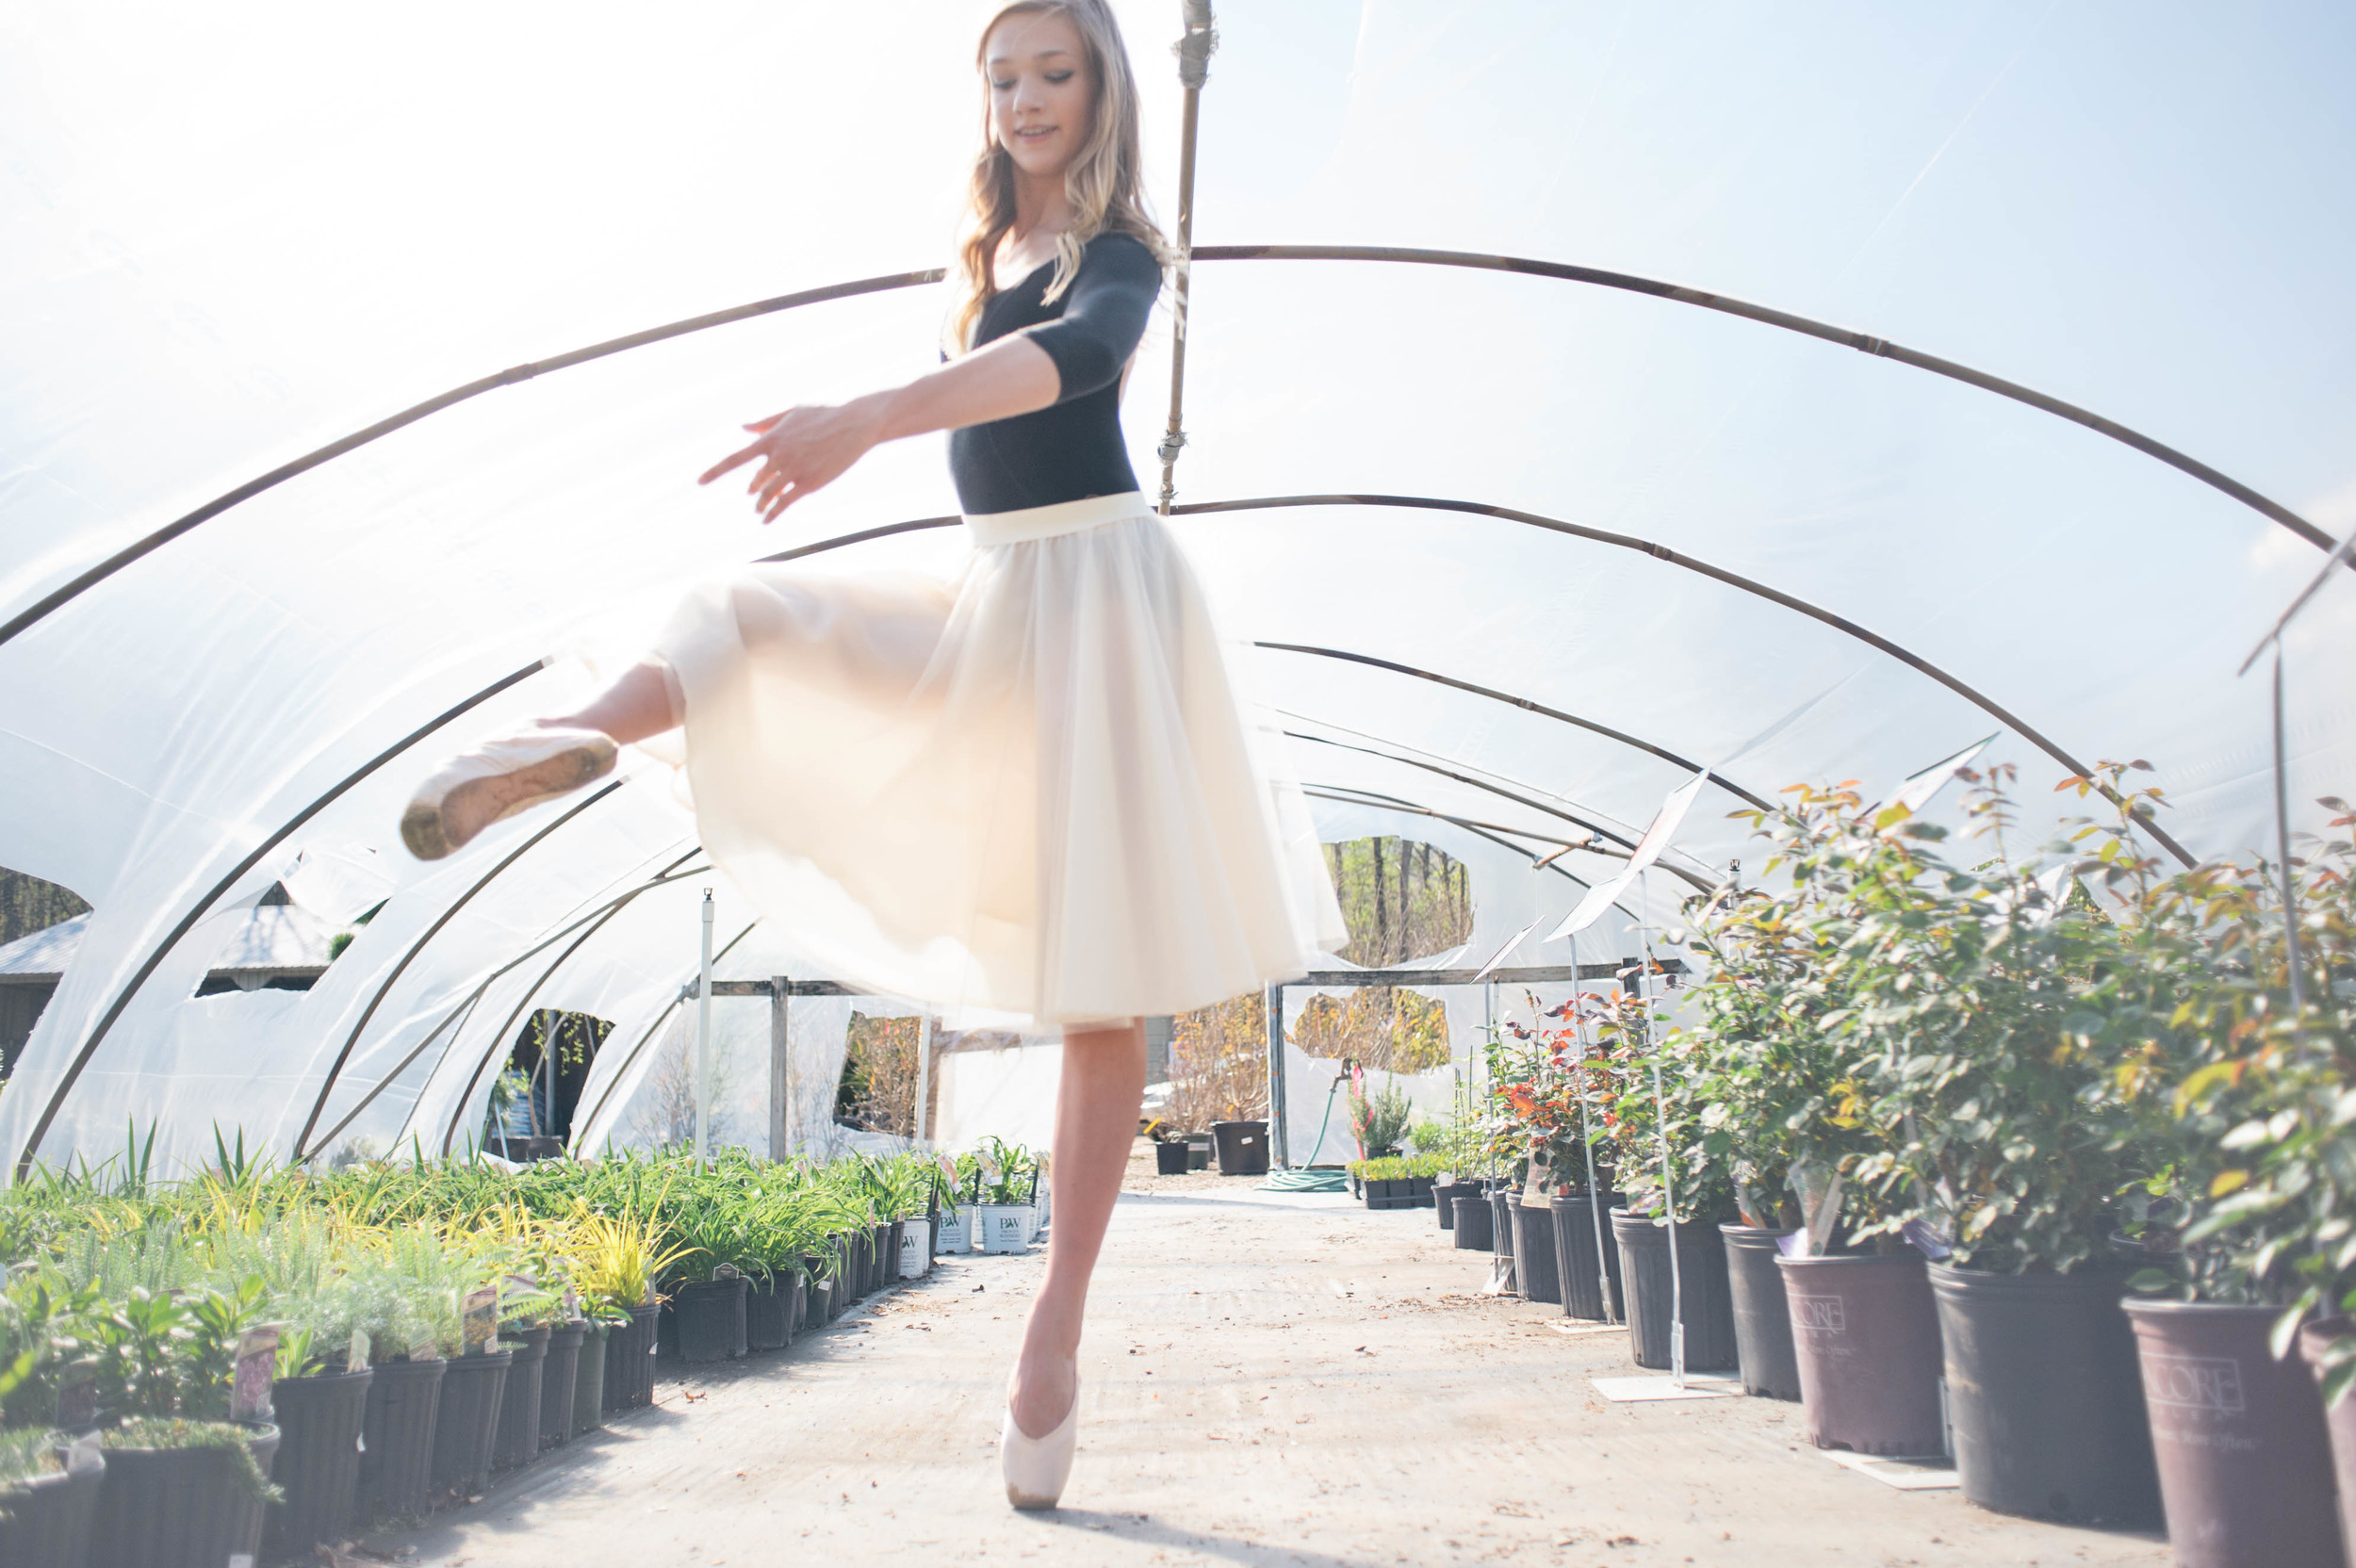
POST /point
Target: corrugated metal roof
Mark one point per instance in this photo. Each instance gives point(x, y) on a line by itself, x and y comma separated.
point(46, 952)
point(272, 938)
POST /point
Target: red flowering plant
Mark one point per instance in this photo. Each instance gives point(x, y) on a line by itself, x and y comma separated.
point(1546, 1108)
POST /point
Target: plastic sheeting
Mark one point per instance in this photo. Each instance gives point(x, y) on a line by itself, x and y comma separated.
point(231, 239)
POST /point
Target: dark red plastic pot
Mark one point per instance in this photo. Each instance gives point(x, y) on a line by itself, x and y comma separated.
point(1533, 1251)
point(46, 1522)
point(1700, 1281)
point(319, 1458)
point(1475, 1229)
point(467, 1422)
point(1762, 1315)
point(630, 1361)
point(2339, 1421)
point(2244, 1466)
point(178, 1508)
point(2043, 1397)
point(710, 1319)
point(559, 1379)
point(1590, 1287)
point(397, 1433)
point(517, 1440)
point(1865, 1333)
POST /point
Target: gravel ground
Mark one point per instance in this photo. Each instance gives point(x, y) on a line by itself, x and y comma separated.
point(1269, 1378)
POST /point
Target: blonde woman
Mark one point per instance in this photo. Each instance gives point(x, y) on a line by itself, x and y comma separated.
point(1030, 789)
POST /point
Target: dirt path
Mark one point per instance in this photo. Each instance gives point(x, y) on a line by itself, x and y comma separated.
point(1268, 1379)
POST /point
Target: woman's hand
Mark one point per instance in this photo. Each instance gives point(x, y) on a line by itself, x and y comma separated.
point(803, 449)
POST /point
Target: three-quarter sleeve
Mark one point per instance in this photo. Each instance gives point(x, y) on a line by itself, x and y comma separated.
point(1104, 314)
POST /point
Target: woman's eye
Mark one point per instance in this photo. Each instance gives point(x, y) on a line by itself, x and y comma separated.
point(1003, 87)
point(1060, 77)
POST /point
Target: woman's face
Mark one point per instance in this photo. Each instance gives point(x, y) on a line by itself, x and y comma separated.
point(1040, 90)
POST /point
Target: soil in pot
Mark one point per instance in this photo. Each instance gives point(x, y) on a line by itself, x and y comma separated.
point(318, 1466)
point(1474, 1228)
point(1698, 1287)
point(711, 1317)
point(46, 1522)
point(517, 1440)
point(2339, 1420)
point(397, 1439)
point(559, 1377)
point(467, 1422)
point(1865, 1335)
point(630, 1361)
point(179, 1508)
point(1533, 1251)
point(769, 1312)
point(2238, 1437)
point(1762, 1312)
point(589, 1380)
point(1590, 1287)
point(2043, 1398)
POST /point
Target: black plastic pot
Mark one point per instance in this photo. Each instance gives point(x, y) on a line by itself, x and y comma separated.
point(711, 1325)
point(2043, 1398)
point(886, 1239)
point(2238, 1438)
point(467, 1422)
point(1591, 1288)
point(1474, 1229)
point(560, 1376)
point(1865, 1335)
point(46, 1522)
point(2339, 1421)
point(319, 1458)
point(1199, 1152)
point(178, 1508)
point(1501, 1199)
point(1242, 1146)
point(396, 1437)
point(517, 1440)
point(1421, 1188)
point(1533, 1251)
point(1443, 1201)
point(1170, 1159)
point(769, 1312)
point(1700, 1282)
point(630, 1361)
point(588, 1409)
point(1762, 1312)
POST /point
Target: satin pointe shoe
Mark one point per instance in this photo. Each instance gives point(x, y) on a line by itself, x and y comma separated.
point(502, 776)
point(1037, 1467)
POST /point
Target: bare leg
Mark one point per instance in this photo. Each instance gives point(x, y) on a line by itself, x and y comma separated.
point(633, 708)
point(1096, 1120)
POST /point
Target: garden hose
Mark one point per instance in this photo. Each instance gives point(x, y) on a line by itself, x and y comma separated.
point(1308, 1178)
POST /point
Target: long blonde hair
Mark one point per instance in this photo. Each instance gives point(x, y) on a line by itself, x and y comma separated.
point(1102, 185)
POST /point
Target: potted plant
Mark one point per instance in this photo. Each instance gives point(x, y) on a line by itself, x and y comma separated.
point(616, 1262)
point(48, 1490)
point(1003, 1174)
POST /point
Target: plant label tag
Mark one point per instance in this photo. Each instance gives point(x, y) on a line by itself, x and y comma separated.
point(357, 1353)
point(1927, 1239)
point(77, 1401)
point(480, 1320)
point(249, 1377)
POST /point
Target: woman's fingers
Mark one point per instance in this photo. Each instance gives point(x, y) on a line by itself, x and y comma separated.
point(734, 460)
point(762, 427)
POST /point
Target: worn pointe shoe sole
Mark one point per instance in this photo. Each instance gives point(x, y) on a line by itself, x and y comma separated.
point(1037, 1467)
point(498, 780)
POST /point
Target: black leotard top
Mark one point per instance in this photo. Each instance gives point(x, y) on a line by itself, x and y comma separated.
point(1072, 448)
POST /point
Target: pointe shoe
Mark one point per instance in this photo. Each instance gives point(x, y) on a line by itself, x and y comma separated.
point(502, 776)
point(1037, 1467)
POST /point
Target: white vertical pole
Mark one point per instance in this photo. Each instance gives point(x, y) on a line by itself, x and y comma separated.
point(703, 1043)
point(1586, 1140)
point(923, 1075)
point(1661, 1124)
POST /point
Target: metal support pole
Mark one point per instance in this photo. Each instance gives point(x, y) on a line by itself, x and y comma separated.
point(780, 1068)
point(703, 1042)
point(2282, 849)
point(1194, 68)
point(1280, 1146)
point(922, 1132)
point(1661, 1125)
point(1586, 1138)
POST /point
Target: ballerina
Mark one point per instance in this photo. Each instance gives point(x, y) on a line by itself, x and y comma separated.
point(1030, 789)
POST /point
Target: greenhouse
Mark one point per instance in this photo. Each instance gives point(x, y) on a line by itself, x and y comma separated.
point(1794, 559)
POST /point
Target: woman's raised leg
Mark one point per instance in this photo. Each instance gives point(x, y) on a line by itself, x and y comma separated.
point(1096, 1122)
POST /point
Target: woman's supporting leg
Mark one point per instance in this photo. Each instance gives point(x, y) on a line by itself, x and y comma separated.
point(635, 707)
point(1096, 1122)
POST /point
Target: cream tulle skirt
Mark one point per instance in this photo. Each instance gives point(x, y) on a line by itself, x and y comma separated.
point(1029, 790)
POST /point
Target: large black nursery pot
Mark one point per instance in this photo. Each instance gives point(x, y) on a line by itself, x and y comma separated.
point(1591, 1285)
point(712, 1324)
point(1866, 1334)
point(2339, 1420)
point(559, 1377)
point(1698, 1287)
point(1444, 1191)
point(1534, 1251)
point(2244, 1466)
point(2043, 1397)
point(45, 1523)
point(396, 1437)
point(588, 1411)
point(629, 1360)
point(517, 1439)
point(1242, 1146)
point(179, 1508)
point(1762, 1313)
point(769, 1312)
point(1475, 1231)
point(318, 1466)
point(1502, 1197)
point(467, 1422)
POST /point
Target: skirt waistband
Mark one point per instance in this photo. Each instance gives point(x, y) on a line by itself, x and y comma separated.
point(1046, 522)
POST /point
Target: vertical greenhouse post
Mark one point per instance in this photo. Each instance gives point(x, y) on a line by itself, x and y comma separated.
point(780, 1067)
point(924, 1077)
point(1280, 1147)
point(703, 1041)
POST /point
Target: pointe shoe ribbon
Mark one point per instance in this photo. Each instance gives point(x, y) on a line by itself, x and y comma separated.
point(502, 776)
point(1037, 1467)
